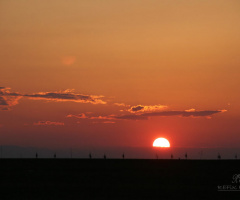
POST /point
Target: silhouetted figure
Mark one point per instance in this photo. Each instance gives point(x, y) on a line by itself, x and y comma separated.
point(104, 156)
point(55, 155)
point(219, 156)
point(90, 156)
point(235, 156)
point(123, 156)
point(186, 155)
point(171, 156)
point(36, 155)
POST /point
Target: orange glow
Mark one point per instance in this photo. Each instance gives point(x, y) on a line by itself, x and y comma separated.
point(97, 73)
point(161, 142)
point(68, 60)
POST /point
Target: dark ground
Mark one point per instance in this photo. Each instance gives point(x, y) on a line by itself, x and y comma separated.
point(116, 179)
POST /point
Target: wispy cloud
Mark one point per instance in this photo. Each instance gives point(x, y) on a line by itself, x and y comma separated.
point(9, 99)
point(66, 95)
point(84, 116)
point(48, 123)
point(185, 113)
point(147, 115)
point(79, 116)
point(144, 108)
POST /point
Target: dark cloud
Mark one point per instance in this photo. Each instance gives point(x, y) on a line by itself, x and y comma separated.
point(194, 113)
point(67, 95)
point(146, 116)
point(5, 91)
point(136, 108)
point(143, 108)
point(3, 102)
point(131, 117)
point(9, 99)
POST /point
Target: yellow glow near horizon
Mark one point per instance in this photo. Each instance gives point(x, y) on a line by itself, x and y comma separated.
point(161, 142)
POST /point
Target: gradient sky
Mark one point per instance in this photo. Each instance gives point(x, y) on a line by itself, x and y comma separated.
point(119, 73)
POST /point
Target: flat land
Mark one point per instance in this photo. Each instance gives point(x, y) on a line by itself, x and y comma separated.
point(117, 179)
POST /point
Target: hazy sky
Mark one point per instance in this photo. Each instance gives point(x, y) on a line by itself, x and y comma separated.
point(119, 73)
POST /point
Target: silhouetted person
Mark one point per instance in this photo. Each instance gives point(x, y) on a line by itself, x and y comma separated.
point(55, 155)
point(123, 156)
point(156, 156)
point(104, 156)
point(90, 156)
point(235, 156)
point(186, 155)
point(219, 156)
point(36, 155)
point(171, 156)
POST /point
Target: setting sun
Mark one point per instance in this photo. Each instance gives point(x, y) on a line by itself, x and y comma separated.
point(161, 142)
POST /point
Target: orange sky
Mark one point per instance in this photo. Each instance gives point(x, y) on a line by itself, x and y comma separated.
point(66, 63)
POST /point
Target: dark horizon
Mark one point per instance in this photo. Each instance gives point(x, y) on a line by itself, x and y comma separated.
point(10, 151)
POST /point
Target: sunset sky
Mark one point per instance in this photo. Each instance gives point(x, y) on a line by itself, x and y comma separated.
point(106, 73)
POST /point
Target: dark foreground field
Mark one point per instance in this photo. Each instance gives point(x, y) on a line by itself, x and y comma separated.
point(117, 179)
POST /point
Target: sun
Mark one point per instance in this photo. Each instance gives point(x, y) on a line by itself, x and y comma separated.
point(161, 142)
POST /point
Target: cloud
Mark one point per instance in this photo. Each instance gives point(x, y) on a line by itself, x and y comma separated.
point(8, 99)
point(66, 95)
point(84, 116)
point(186, 113)
point(48, 123)
point(79, 116)
point(131, 117)
point(142, 108)
point(102, 117)
point(95, 119)
point(147, 115)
